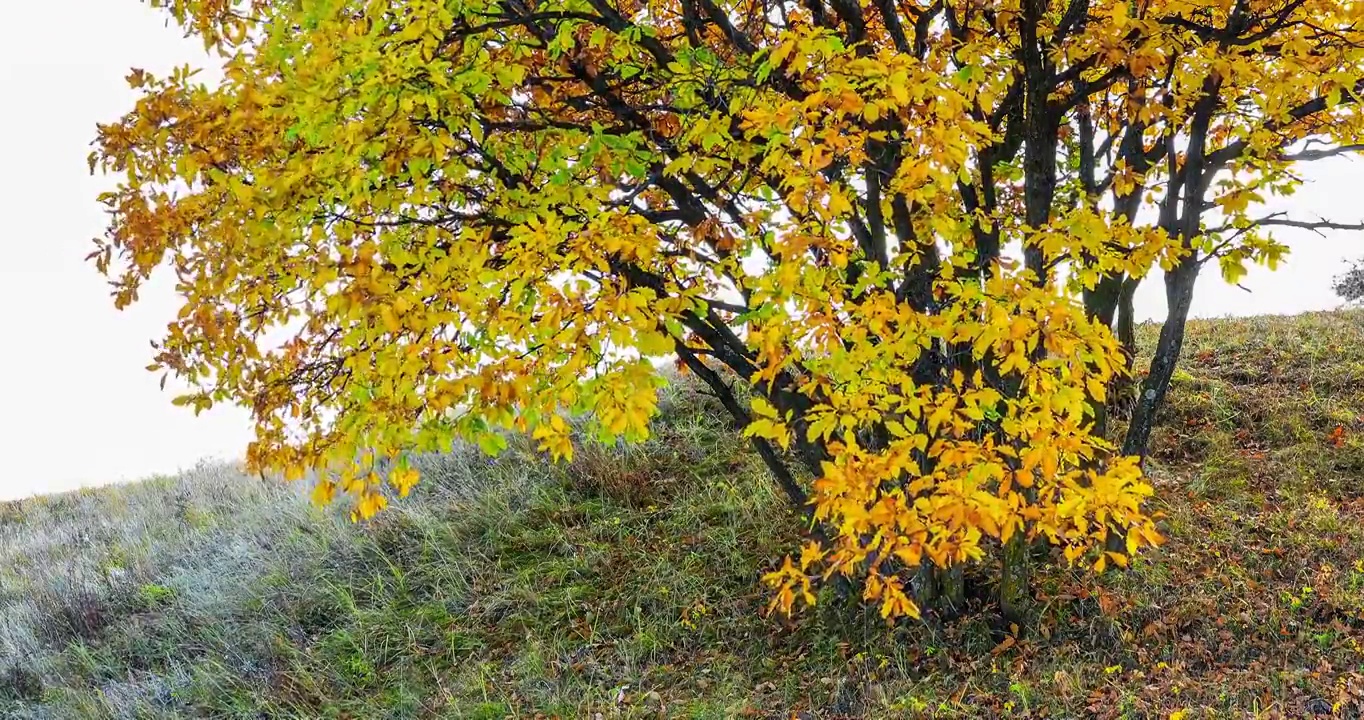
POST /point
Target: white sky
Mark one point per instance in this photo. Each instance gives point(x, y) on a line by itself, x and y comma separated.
point(77, 406)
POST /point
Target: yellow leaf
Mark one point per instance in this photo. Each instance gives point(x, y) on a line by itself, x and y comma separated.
point(390, 320)
point(762, 408)
point(323, 493)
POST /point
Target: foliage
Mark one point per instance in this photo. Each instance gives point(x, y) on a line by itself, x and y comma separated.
point(468, 217)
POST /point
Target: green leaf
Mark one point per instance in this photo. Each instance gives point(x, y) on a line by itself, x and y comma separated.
point(492, 443)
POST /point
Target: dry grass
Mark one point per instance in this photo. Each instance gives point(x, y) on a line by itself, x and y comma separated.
point(626, 583)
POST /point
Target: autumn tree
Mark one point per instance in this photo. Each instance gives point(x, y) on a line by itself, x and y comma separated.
point(906, 226)
point(1221, 105)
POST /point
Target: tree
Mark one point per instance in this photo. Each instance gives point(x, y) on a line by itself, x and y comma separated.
point(468, 217)
point(1222, 104)
point(1349, 285)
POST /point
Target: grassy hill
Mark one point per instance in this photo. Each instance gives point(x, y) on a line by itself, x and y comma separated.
point(625, 584)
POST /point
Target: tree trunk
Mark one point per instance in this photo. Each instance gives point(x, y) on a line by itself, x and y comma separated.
point(1110, 303)
point(1101, 305)
point(952, 583)
point(1116, 540)
point(926, 586)
point(1126, 326)
point(1120, 394)
point(1183, 223)
point(1179, 285)
point(1041, 129)
point(1013, 581)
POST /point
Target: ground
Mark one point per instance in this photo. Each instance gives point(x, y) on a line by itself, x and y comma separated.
point(626, 583)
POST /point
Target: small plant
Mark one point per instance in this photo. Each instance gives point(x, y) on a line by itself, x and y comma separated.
point(11, 513)
point(75, 613)
point(19, 683)
point(1020, 691)
point(1295, 601)
point(151, 596)
point(693, 616)
point(490, 711)
point(1356, 579)
point(350, 658)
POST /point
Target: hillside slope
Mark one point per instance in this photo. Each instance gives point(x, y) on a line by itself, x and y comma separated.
point(625, 583)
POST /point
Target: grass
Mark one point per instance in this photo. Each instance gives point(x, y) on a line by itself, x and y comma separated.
point(624, 585)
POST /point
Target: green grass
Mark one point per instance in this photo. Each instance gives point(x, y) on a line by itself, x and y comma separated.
point(626, 583)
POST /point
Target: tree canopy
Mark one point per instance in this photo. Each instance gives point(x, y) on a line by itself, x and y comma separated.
point(910, 227)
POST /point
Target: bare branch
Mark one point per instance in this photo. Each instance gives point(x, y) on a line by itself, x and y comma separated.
point(1314, 225)
point(1281, 219)
point(1322, 154)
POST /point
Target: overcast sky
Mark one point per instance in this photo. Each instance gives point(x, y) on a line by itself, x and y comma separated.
point(79, 409)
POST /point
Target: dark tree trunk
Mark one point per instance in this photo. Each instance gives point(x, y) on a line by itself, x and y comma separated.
point(1182, 218)
point(1127, 324)
point(926, 586)
point(1014, 592)
point(1120, 394)
point(1041, 129)
point(952, 586)
point(1041, 141)
point(1101, 305)
point(1179, 285)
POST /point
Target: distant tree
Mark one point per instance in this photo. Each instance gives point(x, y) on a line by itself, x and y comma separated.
point(1349, 285)
point(469, 216)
